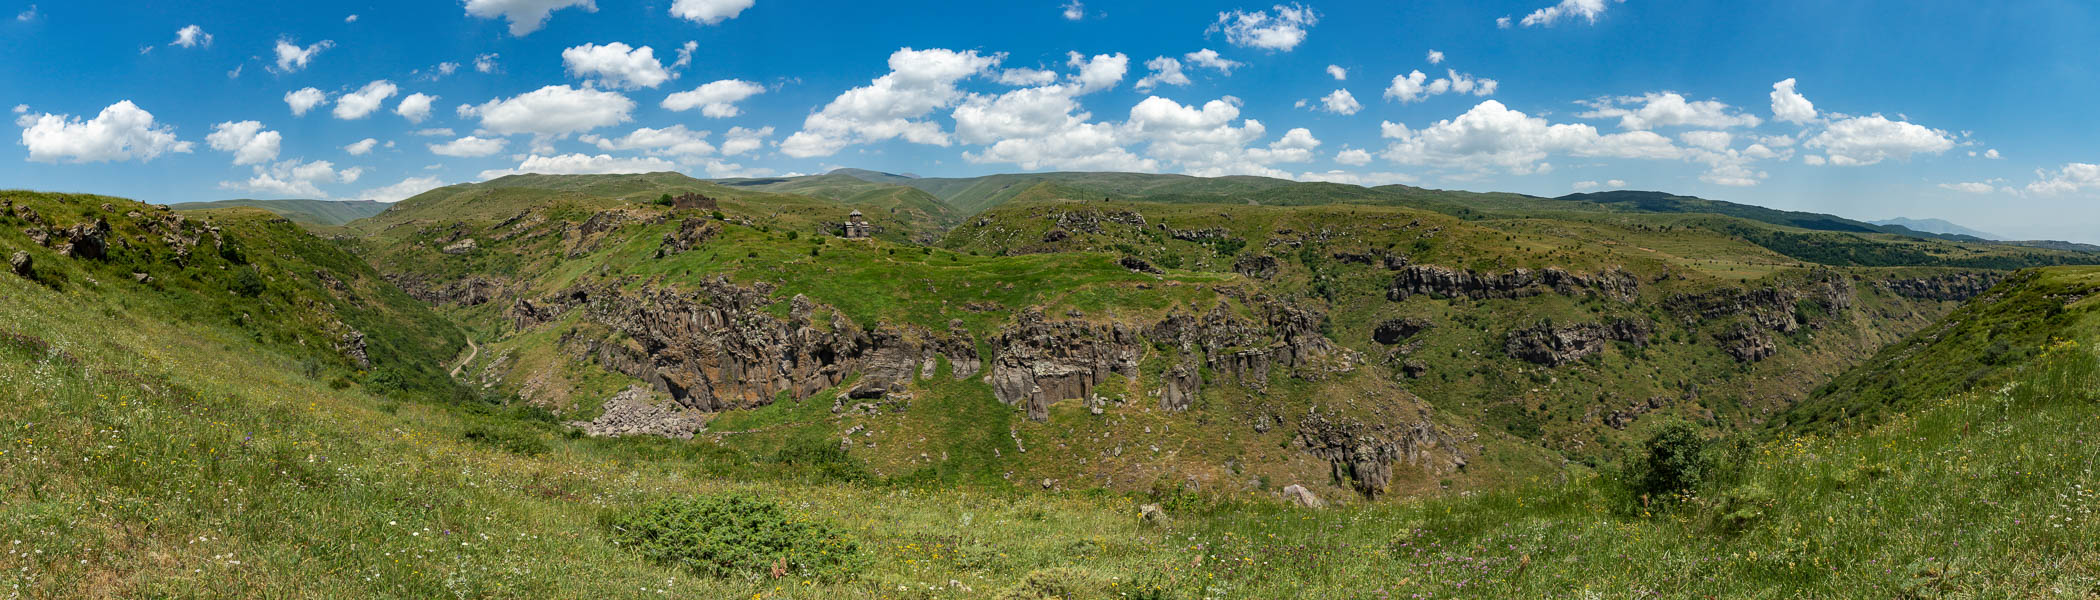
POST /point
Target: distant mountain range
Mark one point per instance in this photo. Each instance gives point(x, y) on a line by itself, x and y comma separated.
point(1937, 226)
point(308, 212)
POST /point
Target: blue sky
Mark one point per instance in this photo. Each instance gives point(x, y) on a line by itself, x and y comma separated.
point(1974, 112)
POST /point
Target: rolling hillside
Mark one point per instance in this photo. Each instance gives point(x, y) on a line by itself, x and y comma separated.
point(163, 442)
point(306, 212)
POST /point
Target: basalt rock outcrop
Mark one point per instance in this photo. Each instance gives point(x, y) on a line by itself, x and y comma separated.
point(1139, 265)
point(1363, 455)
point(1551, 345)
point(1287, 336)
point(1179, 387)
point(1394, 331)
point(1258, 266)
point(1760, 312)
point(691, 234)
point(1037, 362)
point(1445, 282)
point(717, 348)
point(1951, 287)
point(472, 290)
point(86, 240)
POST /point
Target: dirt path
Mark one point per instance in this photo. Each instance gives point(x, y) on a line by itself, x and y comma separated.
point(473, 350)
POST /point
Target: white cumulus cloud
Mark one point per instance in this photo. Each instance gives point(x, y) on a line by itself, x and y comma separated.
point(1789, 105)
point(1861, 141)
point(739, 140)
point(304, 99)
point(1338, 73)
point(469, 147)
point(1283, 30)
point(191, 37)
point(294, 179)
point(291, 57)
point(716, 99)
point(415, 107)
point(1668, 109)
point(1209, 59)
point(361, 103)
point(708, 12)
point(1415, 86)
point(616, 65)
point(583, 164)
point(247, 140)
point(675, 140)
point(361, 147)
point(2071, 178)
point(1073, 10)
point(891, 106)
point(1341, 102)
point(552, 111)
point(122, 132)
point(1164, 71)
point(1587, 10)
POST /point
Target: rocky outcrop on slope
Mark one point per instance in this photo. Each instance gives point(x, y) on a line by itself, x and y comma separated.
point(1446, 282)
point(691, 234)
point(1363, 455)
point(1287, 336)
point(1258, 266)
point(1089, 221)
point(472, 290)
point(1037, 362)
point(1180, 386)
point(1394, 331)
point(717, 348)
point(1139, 265)
point(1760, 312)
point(1951, 287)
point(1553, 346)
point(86, 240)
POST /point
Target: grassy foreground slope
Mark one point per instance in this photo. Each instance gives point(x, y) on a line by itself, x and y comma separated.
point(142, 456)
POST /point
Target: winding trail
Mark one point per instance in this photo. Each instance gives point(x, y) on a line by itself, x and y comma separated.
point(474, 350)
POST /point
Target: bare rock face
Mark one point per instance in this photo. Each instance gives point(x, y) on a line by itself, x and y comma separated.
point(691, 234)
point(1445, 282)
point(1747, 343)
point(1760, 312)
point(717, 348)
point(1297, 494)
point(1364, 454)
point(1181, 385)
point(1395, 331)
point(1258, 266)
point(1550, 345)
point(472, 290)
point(352, 346)
point(1951, 287)
point(1287, 336)
point(635, 411)
point(1038, 362)
point(21, 264)
point(460, 247)
point(86, 240)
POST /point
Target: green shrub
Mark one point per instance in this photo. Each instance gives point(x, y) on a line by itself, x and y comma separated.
point(1741, 509)
point(794, 235)
point(1673, 461)
point(1056, 583)
point(664, 200)
point(734, 535)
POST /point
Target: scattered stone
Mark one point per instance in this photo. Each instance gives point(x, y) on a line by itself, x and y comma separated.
point(635, 412)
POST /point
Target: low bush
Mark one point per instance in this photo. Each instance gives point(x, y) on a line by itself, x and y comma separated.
point(737, 536)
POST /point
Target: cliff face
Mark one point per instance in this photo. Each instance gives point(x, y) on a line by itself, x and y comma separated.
point(1038, 362)
point(717, 348)
point(1446, 282)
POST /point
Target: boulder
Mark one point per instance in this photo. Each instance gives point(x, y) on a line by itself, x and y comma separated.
point(1394, 331)
point(1297, 494)
point(86, 240)
point(1258, 266)
point(1153, 514)
point(21, 264)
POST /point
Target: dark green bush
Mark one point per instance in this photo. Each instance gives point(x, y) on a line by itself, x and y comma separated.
point(1673, 461)
point(664, 200)
point(737, 536)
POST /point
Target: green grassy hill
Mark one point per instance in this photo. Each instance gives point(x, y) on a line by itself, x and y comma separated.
point(306, 212)
point(174, 442)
